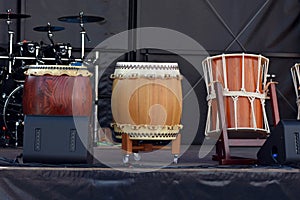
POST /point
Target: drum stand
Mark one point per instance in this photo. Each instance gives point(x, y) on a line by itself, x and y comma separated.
point(224, 142)
point(130, 146)
point(83, 34)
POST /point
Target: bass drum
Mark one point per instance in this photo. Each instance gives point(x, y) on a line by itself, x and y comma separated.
point(13, 116)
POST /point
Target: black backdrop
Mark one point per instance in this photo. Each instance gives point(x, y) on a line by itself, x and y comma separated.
point(267, 27)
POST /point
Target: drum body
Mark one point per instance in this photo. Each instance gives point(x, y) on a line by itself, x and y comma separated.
point(243, 77)
point(57, 90)
point(295, 71)
point(29, 50)
point(147, 100)
point(57, 51)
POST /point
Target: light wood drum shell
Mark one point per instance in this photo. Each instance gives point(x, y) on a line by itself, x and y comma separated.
point(147, 100)
point(57, 90)
point(243, 77)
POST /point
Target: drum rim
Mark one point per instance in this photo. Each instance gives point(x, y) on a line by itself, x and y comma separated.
point(295, 65)
point(161, 64)
point(56, 66)
point(235, 54)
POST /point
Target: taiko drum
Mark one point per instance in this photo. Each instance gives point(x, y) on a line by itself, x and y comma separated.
point(295, 72)
point(147, 100)
point(243, 77)
point(57, 90)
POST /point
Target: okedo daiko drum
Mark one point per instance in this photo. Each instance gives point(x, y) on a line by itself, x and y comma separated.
point(295, 71)
point(57, 90)
point(147, 100)
point(243, 77)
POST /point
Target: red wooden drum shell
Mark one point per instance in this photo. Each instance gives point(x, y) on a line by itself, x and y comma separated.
point(57, 95)
point(247, 80)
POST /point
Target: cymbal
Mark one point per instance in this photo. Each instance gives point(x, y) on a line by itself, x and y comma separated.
point(13, 16)
point(81, 19)
point(48, 28)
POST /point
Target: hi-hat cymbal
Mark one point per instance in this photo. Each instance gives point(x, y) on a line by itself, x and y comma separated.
point(48, 28)
point(81, 19)
point(13, 16)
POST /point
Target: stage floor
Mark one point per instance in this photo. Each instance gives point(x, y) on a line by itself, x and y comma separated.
point(191, 178)
point(112, 154)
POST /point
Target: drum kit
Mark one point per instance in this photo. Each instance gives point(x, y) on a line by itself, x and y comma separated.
point(19, 56)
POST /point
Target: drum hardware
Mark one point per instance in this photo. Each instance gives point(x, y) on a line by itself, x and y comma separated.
point(48, 28)
point(81, 20)
point(16, 132)
point(96, 79)
point(8, 16)
point(13, 115)
point(54, 50)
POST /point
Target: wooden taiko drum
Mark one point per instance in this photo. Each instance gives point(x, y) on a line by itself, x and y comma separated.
point(243, 77)
point(57, 90)
point(147, 100)
point(295, 71)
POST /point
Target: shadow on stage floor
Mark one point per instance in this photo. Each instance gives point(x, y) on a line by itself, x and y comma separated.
point(191, 178)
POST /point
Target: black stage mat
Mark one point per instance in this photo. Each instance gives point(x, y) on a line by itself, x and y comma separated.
point(191, 178)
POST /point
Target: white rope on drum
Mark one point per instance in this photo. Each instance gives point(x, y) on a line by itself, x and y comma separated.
point(251, 100)
point(235, 99)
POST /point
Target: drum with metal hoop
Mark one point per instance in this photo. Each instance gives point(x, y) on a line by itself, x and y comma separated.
point(12, 114)
point(26, 53)
point(59, 90)
point(295, 71)
point(147, 100)
point(60, 52)
point(243, 77)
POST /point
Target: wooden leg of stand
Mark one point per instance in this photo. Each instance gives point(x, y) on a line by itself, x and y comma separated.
point(126, 144)
point(176, 145)
point(274, 103)
point(222, 119)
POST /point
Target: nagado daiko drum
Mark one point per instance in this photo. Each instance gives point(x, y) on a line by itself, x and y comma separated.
point(243, 77)
point(57, 90)
point(147, 100)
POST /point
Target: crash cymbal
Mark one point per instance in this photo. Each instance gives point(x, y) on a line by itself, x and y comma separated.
point(81, 19)
point(13, 16)
point(48, 28)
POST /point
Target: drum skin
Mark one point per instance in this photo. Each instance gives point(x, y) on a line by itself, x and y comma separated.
point(57, 95)
point(234, 76)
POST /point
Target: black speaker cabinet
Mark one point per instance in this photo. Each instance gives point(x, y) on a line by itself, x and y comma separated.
point(56, 139)
point(282, 146)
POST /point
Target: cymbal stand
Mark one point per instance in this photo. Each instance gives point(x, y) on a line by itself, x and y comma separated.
point(96, 76)
point(50, 35)
point(83, 35)
point(10, 35)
